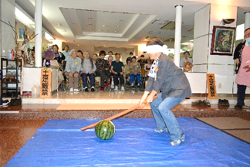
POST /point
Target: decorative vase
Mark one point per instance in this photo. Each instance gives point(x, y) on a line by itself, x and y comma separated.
point(47, 63)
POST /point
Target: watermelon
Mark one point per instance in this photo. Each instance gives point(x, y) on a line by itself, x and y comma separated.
point(105, 130)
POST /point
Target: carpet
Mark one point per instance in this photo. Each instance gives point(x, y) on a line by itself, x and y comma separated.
point(62, 143)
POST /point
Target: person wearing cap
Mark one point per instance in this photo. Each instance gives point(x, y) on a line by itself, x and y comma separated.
point(171, 81)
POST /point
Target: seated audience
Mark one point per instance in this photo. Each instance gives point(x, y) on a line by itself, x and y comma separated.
point(73, 67)
point(135, 70)
point(117, 69)
point(94, 57)
point(127, 70)
point(80, 54)
point(101, 67)
point(88, 70)
point(60, 58)
point(147, 67)
point(185, 59)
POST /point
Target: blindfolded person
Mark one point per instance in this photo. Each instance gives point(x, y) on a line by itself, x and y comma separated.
point(166, 77)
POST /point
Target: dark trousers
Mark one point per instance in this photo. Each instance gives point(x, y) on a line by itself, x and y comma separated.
point(116, 76)
point(103, 77)
point(241, 91)
point(85, 79)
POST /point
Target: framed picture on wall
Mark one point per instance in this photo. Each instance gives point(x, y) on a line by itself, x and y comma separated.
point(222, 40)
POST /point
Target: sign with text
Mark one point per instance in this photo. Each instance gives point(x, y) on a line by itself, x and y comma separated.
point(212, 94)
point(45, 90)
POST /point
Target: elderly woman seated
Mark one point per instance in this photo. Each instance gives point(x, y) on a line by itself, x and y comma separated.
point(72, 69)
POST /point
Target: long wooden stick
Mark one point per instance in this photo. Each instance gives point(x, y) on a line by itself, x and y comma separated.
point(116, 115)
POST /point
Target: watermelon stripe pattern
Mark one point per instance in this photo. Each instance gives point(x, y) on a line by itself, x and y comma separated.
point(105, 130)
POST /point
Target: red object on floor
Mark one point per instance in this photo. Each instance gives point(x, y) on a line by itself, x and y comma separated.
point(102, 89)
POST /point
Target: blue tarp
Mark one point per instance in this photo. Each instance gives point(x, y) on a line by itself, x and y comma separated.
point(62, 143)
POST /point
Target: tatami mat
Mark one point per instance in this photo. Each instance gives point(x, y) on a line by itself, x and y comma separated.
point(241, 134)
point(227, 122)
point(99, 107)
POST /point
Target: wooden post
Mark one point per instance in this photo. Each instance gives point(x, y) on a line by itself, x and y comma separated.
point(45, 90)
point(212, 94)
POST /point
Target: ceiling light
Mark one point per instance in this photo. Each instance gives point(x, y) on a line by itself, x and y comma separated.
point(89, 25)
point(48, 36)
point(106, 19)
point(117, 26)
point(90, 18)
point(104, 25)
point(115, 31)
point(121, 21)
point(99, 30)
point(23, 17)
point(58, 25)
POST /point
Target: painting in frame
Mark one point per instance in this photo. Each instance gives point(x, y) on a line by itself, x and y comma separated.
point(222, 40)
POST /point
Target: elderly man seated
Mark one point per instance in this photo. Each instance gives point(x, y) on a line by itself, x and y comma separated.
point(72, 69)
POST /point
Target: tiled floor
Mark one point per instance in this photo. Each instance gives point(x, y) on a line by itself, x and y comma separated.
point(17, 128)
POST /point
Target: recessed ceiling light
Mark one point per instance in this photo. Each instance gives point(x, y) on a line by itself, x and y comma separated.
point(104, 25)
point(90, 18)
point(99, 30)
point(89, 25)
point(106, 19)
point(115, 31)
point(117, 26)
point(121, 21)
point(58, 25)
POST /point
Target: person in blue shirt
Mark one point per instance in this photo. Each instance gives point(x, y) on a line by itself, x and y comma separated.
point(66, 52)
point(117, 68)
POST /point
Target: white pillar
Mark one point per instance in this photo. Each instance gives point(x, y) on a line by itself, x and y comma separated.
point(247, 20)
point(38, 38)
point(177, 43)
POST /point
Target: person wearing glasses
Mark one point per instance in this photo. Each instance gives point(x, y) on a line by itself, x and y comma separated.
point(242, 58)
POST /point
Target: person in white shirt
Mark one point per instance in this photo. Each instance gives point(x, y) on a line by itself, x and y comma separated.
point(185, 58)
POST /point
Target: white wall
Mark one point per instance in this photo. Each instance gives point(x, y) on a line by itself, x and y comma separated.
point(201, 31)
point(222, 66)
point(7, 15)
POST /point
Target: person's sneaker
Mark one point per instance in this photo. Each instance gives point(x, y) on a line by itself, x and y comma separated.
point(161, 130)
point(132, 84)
point(102, 89)
point(122, 88)
point(116, 88)
point(86, 89)
point(71, 90)
point(76, 90)
point(92, 89)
